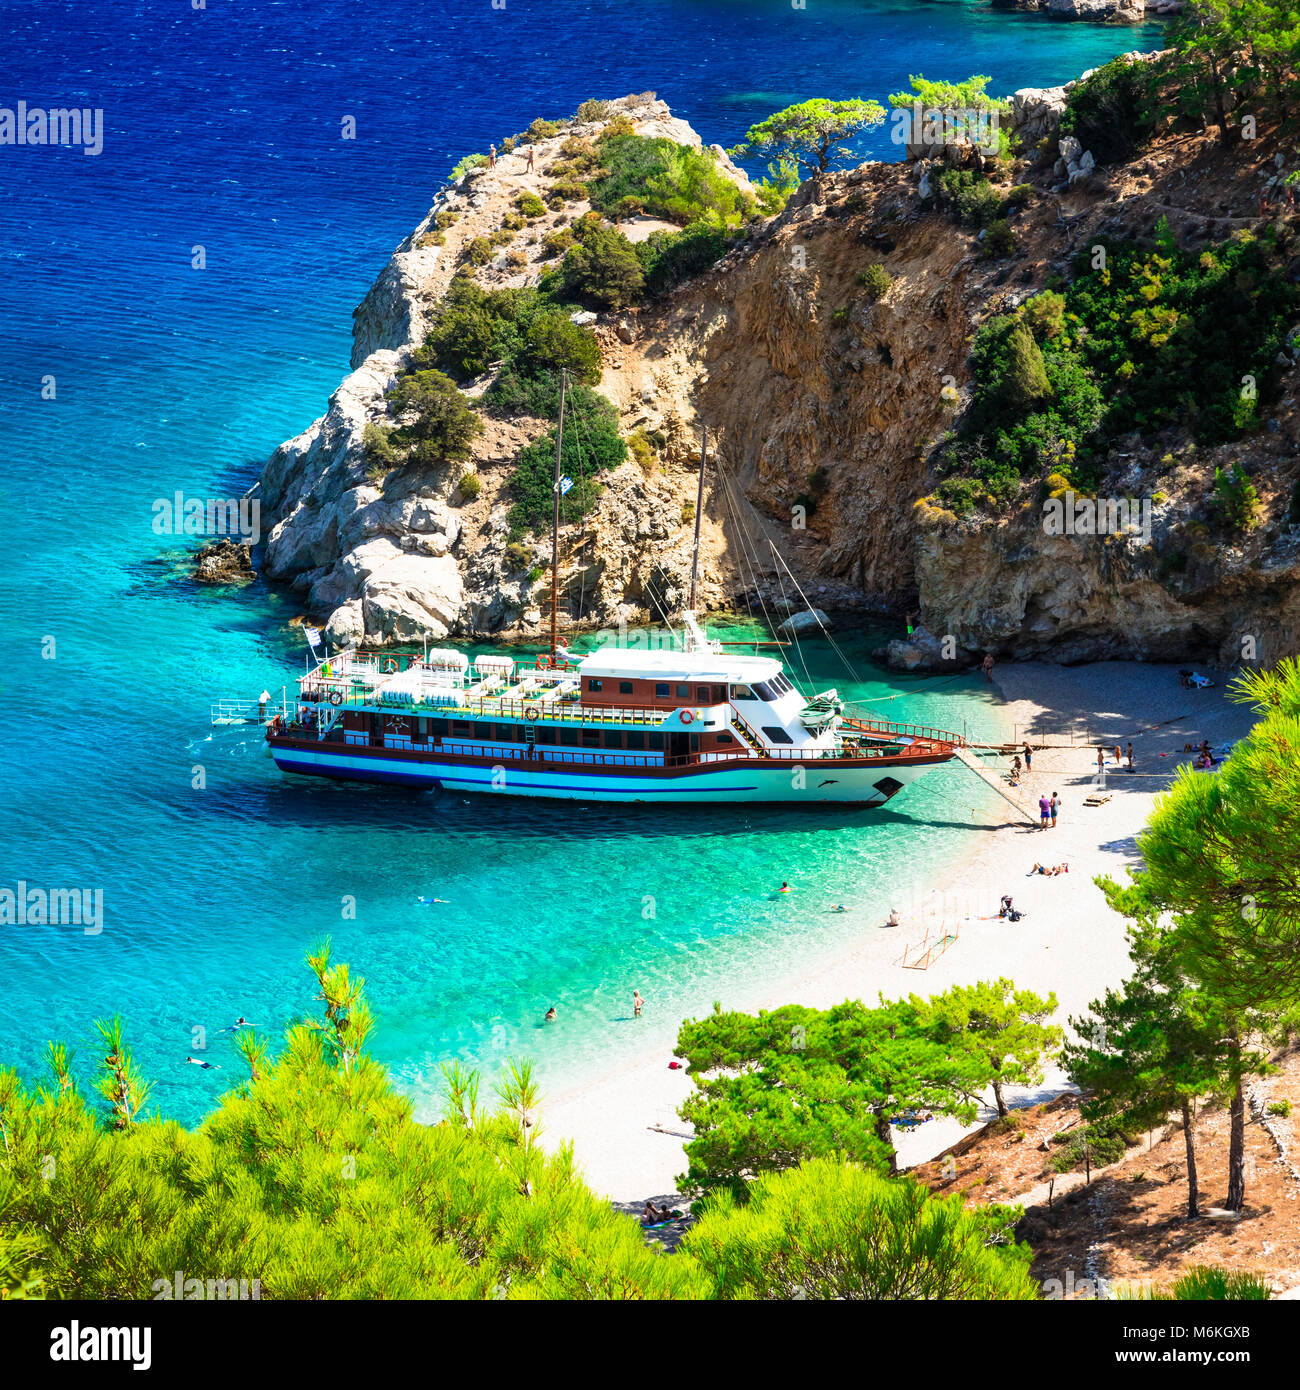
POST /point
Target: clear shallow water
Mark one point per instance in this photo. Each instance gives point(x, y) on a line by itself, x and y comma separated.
point(222, 131)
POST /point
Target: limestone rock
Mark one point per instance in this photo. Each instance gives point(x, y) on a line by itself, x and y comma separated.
point(811, 620)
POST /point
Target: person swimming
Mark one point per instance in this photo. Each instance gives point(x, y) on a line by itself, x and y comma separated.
point(240, 1022)
point(550, 1014)
point(785, 888)
point(838, 907)
point(428, 902)
point(207, 1066)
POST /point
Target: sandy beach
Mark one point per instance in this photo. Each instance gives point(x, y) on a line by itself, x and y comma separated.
point(623, 1124)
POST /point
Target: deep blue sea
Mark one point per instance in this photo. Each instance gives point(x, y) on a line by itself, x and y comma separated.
point(223, 131)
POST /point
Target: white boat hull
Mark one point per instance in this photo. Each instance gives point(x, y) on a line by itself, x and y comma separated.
point(783, 782)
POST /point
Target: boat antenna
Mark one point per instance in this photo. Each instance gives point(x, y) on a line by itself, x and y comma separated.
point(555, 527)
point(699, 509)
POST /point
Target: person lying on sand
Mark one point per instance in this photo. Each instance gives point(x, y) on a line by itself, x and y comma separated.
point(1050, 873)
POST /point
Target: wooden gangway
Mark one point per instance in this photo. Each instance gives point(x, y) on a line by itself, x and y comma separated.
point(991, 779)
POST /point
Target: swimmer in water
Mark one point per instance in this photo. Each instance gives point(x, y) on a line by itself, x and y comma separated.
point(207, 1066)
point(240, 1022)
point(785, 888)
point(839, 907)
point(550, 1014)
point(428, 902)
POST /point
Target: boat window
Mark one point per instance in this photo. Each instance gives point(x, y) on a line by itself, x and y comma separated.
point(781, 685)
point(461, 727)
point(546, 736)
point(765, 692)
point(625, 687)
point(683, 692)
point(741, 692)
point(719, 694)
point(594, 684)
point(725, 738)
point(661, 691)
point(776, 735)
point(569, 738)
point(591, 738)
point(636, 740)
point(656, 742)
point(702, 694)
point(613, 740)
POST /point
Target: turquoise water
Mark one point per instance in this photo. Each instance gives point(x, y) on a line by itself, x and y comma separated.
point(167, 378)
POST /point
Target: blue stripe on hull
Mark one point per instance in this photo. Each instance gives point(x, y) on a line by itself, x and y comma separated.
point(519, 782)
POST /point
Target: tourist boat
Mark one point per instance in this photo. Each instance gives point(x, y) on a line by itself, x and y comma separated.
point(693, 722)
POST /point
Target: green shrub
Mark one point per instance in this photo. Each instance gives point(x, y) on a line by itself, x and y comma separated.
point(1019, 196)
point(556, 242)
point(876, 281)
point(642, 451)
point(477, 251)
point(431, 239)
point(470, 486)
point(669, 258)
point(1206, 1283)
point(969, 196)
point(1112, 113)
point(591, 446)
point(471, 161)
point(604, 270)
point(543, 130)
point(1280, 1108)
point(514, 222)
point(444, 425)
point(672, 181)
point(1045, 315)
point(501, 237)
point(446, 219)
point(1235, 504)
point(629, 207)
point(619, 125)
point(569, 190)
point(1095, 1145)
point(999, 239)
point(553, 341)
point(591, 110)
point(530, 205)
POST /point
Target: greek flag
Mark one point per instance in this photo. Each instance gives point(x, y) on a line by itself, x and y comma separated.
point(312, 635)
point(565, 484)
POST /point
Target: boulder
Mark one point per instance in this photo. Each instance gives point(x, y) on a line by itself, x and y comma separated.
point(225, 562)
point(811, 620)
point(921, 650)
point(411, 597)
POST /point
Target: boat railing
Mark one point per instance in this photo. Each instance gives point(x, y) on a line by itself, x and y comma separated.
point(918, 731)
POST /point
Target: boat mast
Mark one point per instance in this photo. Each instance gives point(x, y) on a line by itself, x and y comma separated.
point(699, 508)
point(555, 527)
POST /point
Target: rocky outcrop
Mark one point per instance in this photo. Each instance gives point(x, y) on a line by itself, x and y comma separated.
point(1099, 11)
point(225, 562)
point(407, 555)
point(824, 403)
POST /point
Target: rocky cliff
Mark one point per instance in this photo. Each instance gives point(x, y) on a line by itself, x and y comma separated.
point(824, 400)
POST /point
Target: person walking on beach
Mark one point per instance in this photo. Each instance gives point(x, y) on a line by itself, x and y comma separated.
point(1117, 755)
point(637, 1003)
point(1029, 757)
point(530, 159)
point(988, 667)
point(1101, 761)
point(1044, 811)
point(1130, 757)
point(1055, 805)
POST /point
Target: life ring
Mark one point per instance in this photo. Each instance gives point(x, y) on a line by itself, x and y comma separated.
point(545, 663)
point(388, 665)
point(687, 716)
point(531, 712)
point(336, 697)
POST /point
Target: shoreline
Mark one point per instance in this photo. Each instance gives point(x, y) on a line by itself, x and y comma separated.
point(623, 1125)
